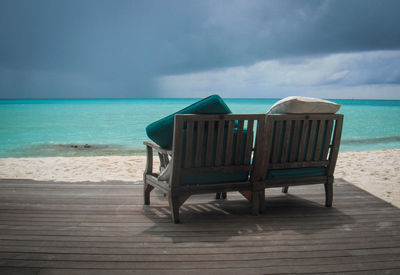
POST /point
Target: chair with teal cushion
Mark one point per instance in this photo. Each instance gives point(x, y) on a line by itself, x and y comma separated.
point(210, 154)
point(298, 149)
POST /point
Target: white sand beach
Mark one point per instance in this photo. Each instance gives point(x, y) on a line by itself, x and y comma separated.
point(377, 172)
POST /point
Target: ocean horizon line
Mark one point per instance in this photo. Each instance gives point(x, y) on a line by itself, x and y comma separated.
point(147, 98)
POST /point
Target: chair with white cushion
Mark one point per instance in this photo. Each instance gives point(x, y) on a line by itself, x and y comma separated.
point(299, 146)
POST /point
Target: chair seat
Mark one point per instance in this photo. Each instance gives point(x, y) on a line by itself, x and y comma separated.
point(282, 174)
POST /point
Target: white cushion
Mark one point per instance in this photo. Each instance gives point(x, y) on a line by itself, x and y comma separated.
point(166, 173)
point(301, 105)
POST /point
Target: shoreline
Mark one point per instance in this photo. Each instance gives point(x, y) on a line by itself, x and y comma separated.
point(377, 172)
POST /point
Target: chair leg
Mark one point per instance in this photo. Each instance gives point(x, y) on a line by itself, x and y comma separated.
point(262, 201)
point(146, 193)
point(174, 205)
point(220, 195)
point(328, 194)
point(255, 203)
point(285, 189)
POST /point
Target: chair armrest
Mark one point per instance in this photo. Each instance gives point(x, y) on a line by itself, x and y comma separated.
point(157, 147)
point(163, 154)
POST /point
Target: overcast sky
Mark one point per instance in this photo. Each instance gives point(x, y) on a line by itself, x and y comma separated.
point(267, 49)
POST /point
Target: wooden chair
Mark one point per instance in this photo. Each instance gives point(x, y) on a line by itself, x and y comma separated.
point(298, 150)
point(210, 154)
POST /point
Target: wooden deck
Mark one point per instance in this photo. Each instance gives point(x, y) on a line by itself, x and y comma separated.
point(103, 228)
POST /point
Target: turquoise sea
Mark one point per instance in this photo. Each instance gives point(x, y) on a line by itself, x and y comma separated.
point(62, 127)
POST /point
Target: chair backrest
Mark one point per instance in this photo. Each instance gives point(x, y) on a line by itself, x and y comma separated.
point(213, 144)
point(299, 141)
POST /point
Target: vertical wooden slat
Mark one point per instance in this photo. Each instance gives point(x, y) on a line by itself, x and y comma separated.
point(335, 146)
point(286, 140)
point(261, 150)
point(229, 142)
point(189, 144)
point(149, 161)
point(239, 140)
point(249, 141)
point(220, 144)
point(210, 143)
point(303, 138)
point(311, 140)
point(199, 145)
point(318, 148)
point(327, 140)
point(277, 141)
point(268, 136)
point(295, 139)
point(177, 151)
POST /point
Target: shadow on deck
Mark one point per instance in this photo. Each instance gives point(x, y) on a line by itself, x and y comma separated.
point(103, 228)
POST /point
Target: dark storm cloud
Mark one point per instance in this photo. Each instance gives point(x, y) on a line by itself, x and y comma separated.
point(118, 48)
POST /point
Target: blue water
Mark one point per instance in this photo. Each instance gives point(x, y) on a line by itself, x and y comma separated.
point(38, 128)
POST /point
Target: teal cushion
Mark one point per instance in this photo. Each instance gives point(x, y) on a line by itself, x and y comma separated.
point(283, 174)
point(161, 131)
point(209, 178)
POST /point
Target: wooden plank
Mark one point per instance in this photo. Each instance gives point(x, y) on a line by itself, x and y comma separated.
point(189, 144)
point(366, 228)
point(219, 145)
point(360, 213)
point(203, 240)
point(191, 262)
point(199, 145)
point(277, 141)
point(337, 135)
point(286, 140)
point(136, 209)
point(194, 250)
point(229, 142)
point(295, 139)
point(303, 138)
point(193, 236)
point(219, 241)
point(265, 148)
point(157, 147)
point(149, 161)
point(177, 151)
point(311, 140)
point(239, 140)
point(249, 142)
point(207, 117)
point(320, 137)
point(273, 258)
point(259, 151)
point(136, 199)
point(210, 143)
point(269, 266)
point(327, 140)
point(303, 116)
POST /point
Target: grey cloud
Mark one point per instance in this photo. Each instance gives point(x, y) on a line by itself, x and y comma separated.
point(128, 44)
